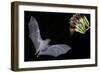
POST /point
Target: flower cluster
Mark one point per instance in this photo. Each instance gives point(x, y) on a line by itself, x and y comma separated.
point(79, 24)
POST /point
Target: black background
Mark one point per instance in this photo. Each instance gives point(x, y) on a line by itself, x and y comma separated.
point(55, 26)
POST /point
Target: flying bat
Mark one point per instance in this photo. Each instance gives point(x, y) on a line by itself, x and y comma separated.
point(42, 46)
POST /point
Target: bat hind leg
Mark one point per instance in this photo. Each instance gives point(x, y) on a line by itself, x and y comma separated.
point(37, 52)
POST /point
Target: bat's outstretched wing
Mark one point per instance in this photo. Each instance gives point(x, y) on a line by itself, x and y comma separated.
point(55, 50)
point(34, 32)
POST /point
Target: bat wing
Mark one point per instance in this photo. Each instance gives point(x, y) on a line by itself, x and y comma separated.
point(34, 32)
point(55, 50)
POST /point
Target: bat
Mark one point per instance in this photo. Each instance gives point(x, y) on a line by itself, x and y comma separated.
point(42, 46)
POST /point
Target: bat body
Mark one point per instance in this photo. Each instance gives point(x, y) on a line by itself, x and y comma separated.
point(42, 46)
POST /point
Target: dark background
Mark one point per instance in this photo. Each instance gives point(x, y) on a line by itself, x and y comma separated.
point(55, 26)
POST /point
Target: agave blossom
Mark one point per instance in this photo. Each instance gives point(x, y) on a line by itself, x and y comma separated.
point(79, 24)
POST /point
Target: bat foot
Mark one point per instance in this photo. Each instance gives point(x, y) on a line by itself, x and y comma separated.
point(37, 54)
